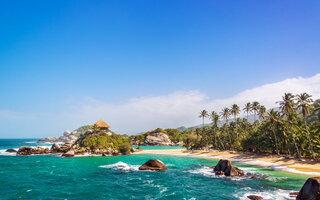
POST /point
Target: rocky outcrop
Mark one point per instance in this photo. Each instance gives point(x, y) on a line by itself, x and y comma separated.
point(67, 137)
point(158, 138)
point(224, 167)
point(30, 151)
point(310, 190)
point(154, 165)
point(254, 197)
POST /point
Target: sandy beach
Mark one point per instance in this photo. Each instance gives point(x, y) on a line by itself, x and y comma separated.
point(269, 161)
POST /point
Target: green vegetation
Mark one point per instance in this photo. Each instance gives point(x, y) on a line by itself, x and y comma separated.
point(82, 130)
point(102, 140)
point(293, 130)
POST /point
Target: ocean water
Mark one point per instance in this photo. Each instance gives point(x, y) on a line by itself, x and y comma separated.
point(54, 177)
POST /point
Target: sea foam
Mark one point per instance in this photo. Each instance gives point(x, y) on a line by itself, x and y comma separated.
point(122, 167)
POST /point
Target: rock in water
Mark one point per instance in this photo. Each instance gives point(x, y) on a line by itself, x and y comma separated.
point(25, 150)
point(310, 189)
point(254, 197)
point(154, 165)
point(224, 167)
point(68, 154)
point(11, 151)
point(158, 138)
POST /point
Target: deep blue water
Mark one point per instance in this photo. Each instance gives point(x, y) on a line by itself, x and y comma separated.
point(54, 177)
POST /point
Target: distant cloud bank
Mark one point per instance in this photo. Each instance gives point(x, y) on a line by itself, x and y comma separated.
point(140, 114)
point(181, 108)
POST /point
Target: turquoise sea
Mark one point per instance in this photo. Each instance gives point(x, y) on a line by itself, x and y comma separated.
point(54, 177)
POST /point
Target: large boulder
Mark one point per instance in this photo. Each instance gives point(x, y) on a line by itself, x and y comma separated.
point(25, 151)
point(68, 154)
point(158, 138)
point(154, 165)
point(310, 190)
point(224, 167)
point(66, 146)
point(55, 148)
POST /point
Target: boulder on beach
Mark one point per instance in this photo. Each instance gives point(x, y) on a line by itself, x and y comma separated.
point(224, 167)
point(254, 197)
point(154, 165)
point(68, 154)
point(11, 151)
point(310, 190)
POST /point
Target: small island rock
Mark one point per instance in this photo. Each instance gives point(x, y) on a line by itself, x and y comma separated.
point(154, 165)
point(158, 138)
point(224, 167)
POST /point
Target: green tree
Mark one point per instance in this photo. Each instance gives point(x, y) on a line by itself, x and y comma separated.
point(235, 111)
point(225, 113)
point(304, 103)
point(203, 114)
point(287, 106)
point(274, 118)
point(248, 109)
point(255, 108)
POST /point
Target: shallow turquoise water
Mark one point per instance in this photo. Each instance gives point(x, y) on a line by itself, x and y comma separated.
point(53, 177)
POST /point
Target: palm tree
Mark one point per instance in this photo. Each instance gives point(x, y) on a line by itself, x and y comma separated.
point(262, 112)
point(304, 103)
point(215, 118)
point(203, 114)
point(247, 108)
point(255, 108)
point(287, 107)
point(235, 111)
point(225, 113)
point(274, 117)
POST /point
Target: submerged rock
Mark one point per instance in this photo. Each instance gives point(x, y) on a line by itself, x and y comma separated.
point(254, 197)
point(224, 167)
point(154, 165)
point(310, 190)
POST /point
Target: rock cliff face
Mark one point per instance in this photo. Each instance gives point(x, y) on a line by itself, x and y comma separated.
point(67, 136)
point(158, 138)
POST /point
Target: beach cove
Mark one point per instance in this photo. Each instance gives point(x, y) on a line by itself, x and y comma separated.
point(118, 177)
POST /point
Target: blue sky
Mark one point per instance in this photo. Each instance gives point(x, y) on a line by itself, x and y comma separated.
point(55, 55)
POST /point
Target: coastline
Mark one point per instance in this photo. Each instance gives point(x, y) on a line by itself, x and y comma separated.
point(271, 161)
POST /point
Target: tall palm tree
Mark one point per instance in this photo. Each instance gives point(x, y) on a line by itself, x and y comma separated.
point(235, 111)
point(247, 108)
point(215, 118)
point(255, 108)
point(274, 117)
point(287, 106)
point(203, 114)
point(225, 113)
point(262, 112)
point(304, 103)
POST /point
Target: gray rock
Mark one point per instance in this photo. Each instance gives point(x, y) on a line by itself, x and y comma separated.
point(158, 138)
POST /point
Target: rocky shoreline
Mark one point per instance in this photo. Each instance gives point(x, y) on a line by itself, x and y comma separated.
point(69, 149)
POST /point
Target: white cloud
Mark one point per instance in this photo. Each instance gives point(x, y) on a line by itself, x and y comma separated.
point(182, 107)
point(135, 115)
